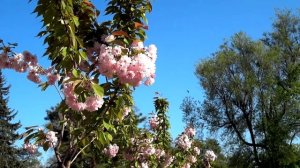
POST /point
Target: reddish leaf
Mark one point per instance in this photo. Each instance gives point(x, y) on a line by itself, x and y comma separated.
point(139, 25)
point(120, 33)
point(88, 3)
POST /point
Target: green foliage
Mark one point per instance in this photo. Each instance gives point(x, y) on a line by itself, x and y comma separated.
point(129, 19)
point(252, 93)
point(163, 134)
point(68, 28)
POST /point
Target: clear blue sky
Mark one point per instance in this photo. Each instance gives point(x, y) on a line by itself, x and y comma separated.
point(185, 31)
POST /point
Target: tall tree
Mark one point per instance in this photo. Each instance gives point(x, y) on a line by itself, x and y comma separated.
point(8, 135)
point(252, 93)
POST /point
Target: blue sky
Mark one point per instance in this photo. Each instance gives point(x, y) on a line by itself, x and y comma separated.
point(185, 32)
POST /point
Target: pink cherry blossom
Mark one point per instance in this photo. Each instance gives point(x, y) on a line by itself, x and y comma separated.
point(138, 45)
point(34, 76)
point(52, 78)
point(148, 150)
point(192, 159)
point(210, 155)
point(186, 165)
point(93, 103)
point(109, 38)
point(132, 69)
point(190, 131)
point(197, 150)
point(144, 165)
point(51, 137)
point(168, 161)
point(111, 151)
point(30, 148)
point(184, 142)
point(154, 122)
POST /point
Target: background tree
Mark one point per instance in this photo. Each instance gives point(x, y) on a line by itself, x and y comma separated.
point(252, 94)
point(9, 155)
point(29, 160)
point(191, 108)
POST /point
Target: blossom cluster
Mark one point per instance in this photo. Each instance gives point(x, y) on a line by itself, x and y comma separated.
point(154, 122)
point(111, 151)
point(51, 138)
point(126, 111)
point(142, 149)
point(210, 155)
point(184, 141)
point(26, 62)
point(30, 148)
point(134, 65)
point(92, 103)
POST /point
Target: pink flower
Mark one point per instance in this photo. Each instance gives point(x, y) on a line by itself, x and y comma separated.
point(154, 122)
point(144, 165)
point(184, 142)
point(190, 131)
point(159, 153)
point(149, 81)
point(34, 76)
point(126, 111)
point(111, 151)
point(93, 103)
point(186, 165)
point(168, 161)
point(192, 159)
point(79, 106)
point(52, 78)
point(137, 44)
point(130, 69)
point(210, 155)
point(117, 50)
point(148, 151)
point(30, 148)
point(152, 52)
point(29, 58)
point(51, 137)
point(110, 38)
point(197, 150)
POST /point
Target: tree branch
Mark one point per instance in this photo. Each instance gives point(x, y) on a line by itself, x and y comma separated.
point(82, 150)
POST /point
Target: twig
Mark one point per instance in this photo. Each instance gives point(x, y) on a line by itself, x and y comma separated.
point(82, 150)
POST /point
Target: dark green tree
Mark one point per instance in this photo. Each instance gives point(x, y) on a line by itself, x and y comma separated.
point(252, 94)
point(8, 135)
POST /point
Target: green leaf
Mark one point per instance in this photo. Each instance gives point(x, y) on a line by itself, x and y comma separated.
point(45, 146)
point(102, 138)
point(44, 86)
point(27, 128)
point(27, 139)
point(76, 73)
point(63, 51)
point(108, 126)
point(109, 137)
point(83, 55)
point(98, 89)
point(75, 20)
